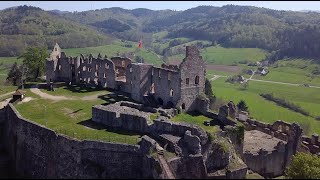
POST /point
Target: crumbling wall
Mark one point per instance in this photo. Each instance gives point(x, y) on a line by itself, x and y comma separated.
point(38, 152)
point(267, 163)
point(183, 167)
point(121, 117)
point(312, 143)
point(166, 86)
point(162, 126)
point(121, 64)
point(192, 75)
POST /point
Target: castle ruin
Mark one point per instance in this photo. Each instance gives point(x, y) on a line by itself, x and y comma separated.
point(168, 86)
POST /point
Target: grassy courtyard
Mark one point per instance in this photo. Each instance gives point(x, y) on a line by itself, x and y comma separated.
point(73, 117)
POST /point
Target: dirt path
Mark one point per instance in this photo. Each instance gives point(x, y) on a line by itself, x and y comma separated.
point(48, 96)
point(215, 77)
point(59, 98)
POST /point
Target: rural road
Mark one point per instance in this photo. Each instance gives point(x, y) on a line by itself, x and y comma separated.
point(215, 77)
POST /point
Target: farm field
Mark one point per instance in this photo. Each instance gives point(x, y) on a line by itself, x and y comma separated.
point(228, 56)
point(114, 48)
point(293, 71)
point(73, 117)
point(267, 111)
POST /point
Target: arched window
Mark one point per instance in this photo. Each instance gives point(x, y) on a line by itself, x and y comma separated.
point(197, 80)
point(171, 92)
point(84, 68)
point(183, 106)
point(107, 66)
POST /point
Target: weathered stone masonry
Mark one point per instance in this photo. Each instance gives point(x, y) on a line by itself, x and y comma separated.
point(38, 152)
point(169, 86)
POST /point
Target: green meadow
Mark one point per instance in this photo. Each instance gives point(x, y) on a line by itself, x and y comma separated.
point(267, 111)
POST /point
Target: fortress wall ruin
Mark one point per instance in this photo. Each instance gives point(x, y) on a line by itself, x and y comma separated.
point(267, 163)
point(38, 152)
point(312, 144)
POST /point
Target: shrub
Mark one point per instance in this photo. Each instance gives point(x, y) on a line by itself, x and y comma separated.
point(284, 103)
point(304, 166)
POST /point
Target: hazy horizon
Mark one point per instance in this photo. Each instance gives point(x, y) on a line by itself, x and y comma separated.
point(159, 5)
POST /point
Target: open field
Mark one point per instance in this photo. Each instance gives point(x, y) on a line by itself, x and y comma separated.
point(267, 111)
point(73, 117)
point(293, 71)
point(228, 56)
point(114, 48)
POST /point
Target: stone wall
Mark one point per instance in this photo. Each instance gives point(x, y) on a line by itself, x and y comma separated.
point(267, 163)
point(184, 168)
point(38, 152)
point(162, 126)
point(192, 74)
point(312, 143)
point(121, 117)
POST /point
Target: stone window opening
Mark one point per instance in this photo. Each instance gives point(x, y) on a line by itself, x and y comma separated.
point(104, 75)
point(122, 63)
point(83, 68)
point(171, 92)
point(96, 74)
point(130, 69)
point(55, 49)
point(152, 72)
point(107, 66)
point(159, 73)
point(197, 80)
point(183, 106)
point(187, 81)
point(97, 66)
point(59, 67)
point(153, 89)
point(169, 76)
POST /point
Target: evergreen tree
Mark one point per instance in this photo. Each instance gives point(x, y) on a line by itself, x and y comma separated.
point(14, 75)
point(242, 106)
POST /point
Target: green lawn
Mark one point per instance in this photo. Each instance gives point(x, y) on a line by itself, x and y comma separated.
point(227, 56)
point(73, 91)
point(195, 119)
point(7, 89)
point(73, 118)
point(266, 111)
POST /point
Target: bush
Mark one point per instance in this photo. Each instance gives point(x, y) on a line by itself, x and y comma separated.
point(242, 106)
point(284, 103)
point(304, 166)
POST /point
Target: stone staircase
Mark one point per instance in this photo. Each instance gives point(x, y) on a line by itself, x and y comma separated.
point(168, 174)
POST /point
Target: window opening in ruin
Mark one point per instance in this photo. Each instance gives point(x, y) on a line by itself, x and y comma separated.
point(280, 128)
point(96, 74)
point(187, 81)
point(197, 80)
point(104, 75)
point(130, 69)
point(169, 76)
point(55, 49)
point(152, 88)
point(122, 63)
point(107, 66)
point(287, 128)
point(97, 66)
point(152, 72)
point(183, 106)
point(159, 73)
point(83, 68)
point(59, 67)
point(88, 80)
point(171, 92)
point(105, 84)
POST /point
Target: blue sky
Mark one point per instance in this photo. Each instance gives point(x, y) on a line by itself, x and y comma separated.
point(157, 5)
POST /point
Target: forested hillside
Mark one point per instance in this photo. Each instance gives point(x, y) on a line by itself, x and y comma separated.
point(26, 26)
point(286, 33)
point(282, 33)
